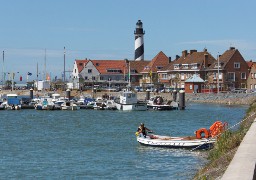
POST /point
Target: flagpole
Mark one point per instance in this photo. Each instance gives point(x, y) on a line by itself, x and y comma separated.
point(64, 67)
point(37, 76)
point(3, 78)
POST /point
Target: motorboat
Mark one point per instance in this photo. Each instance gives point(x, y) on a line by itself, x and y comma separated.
point(69, 105)
point(191, 142)
point(128, 101)
point(158, 103)
point(12, 102)
point(176, 142)
point(110, 105)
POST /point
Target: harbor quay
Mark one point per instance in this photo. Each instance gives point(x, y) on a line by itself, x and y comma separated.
point(221, 98)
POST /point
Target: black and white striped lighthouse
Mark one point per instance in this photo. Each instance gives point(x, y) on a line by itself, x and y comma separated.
point(139, 43)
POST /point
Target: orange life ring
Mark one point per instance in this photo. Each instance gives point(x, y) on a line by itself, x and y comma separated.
point(200, 131)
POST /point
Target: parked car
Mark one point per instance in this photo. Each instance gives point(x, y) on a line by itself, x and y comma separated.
point(138, 88)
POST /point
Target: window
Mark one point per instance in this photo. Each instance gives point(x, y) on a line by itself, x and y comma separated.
point(93, 78)
point(86, 78)
point(182, 77)
point(231, 76)
point(176, 66)
point(114, 70)
point(194, 66)
point(89, 70)
point(101, 78)
point(243, 85)
point(159, 67)
point(250, 86)
point(75, 70)
point(80, 64)
point(254, 86)
point(185, 66)
point(220, 76)
point(164, 76)
point(243, 75)
point(252, 75)
point(237, 65)
point(190, 86)
point(215, 75)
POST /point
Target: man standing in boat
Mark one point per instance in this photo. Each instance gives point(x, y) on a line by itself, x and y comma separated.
point(142, 129)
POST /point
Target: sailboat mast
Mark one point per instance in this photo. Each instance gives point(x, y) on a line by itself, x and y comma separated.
point(129, 77)
point(3, 76)
point(37, 75)
point(64, 73)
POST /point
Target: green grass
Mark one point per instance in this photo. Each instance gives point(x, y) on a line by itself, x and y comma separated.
point(224, 149)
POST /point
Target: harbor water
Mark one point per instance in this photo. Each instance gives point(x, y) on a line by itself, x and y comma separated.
point(94, 144)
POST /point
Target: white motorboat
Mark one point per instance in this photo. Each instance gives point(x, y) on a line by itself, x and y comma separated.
point(193, 142)
point(158, 103)
point(176, 142)
point(128, 101)
point(69, 105)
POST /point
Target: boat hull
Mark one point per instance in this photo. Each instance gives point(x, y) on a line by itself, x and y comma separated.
point(160, 107)
point(131, 107)
point(177, 142)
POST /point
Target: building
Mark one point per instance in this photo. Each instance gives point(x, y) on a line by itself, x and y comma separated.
point(139, 41)
point(233, 71)
point(251, 80)
point(150, 71)
point(185, 66)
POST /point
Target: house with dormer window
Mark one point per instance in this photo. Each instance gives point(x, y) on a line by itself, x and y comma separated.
point(150, 71)
point(230, 71)
point(184, 67)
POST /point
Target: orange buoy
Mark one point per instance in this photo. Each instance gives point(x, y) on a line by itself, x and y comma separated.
point(199, 133)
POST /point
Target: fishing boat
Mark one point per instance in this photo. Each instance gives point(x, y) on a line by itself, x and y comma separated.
point(128, 101)
point(190, 142)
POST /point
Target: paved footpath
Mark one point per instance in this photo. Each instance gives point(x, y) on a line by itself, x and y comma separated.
point(242, 167)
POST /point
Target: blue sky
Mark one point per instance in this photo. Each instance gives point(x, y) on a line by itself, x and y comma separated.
point(103, 29)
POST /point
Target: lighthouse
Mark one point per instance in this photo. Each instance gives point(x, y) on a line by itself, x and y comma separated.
point(139, 43)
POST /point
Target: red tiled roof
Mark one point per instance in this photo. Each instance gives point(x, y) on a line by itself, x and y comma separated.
point(195, 57)
point(249, 63)
point(103, 65)
point(81, 64)
point(160, 60)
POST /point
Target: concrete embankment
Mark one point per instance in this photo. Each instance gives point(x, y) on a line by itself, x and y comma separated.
point(222, 98)
point(243, 164)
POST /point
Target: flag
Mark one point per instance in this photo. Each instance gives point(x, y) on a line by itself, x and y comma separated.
point(20, 78)
point(29, 74)
point(150, 73)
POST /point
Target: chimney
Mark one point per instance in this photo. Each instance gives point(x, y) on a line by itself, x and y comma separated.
point(177, 57)
point(184, 53)
point(170, 59)
point(232, 48)
point(205, 50)
point(192, 51)
point(205, 60)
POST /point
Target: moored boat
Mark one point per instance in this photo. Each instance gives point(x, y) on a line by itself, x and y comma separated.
point(128, 101)
point(158, 103)
point(176, 142)
point(190, 142)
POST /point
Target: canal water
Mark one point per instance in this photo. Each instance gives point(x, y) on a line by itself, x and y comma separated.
point(94, 144)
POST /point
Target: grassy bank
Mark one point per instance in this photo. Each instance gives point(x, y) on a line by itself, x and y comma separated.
point(221, 155)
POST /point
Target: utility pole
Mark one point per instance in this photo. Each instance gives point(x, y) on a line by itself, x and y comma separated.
point(218, 81)
point(3, 76)
point(64, 79)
